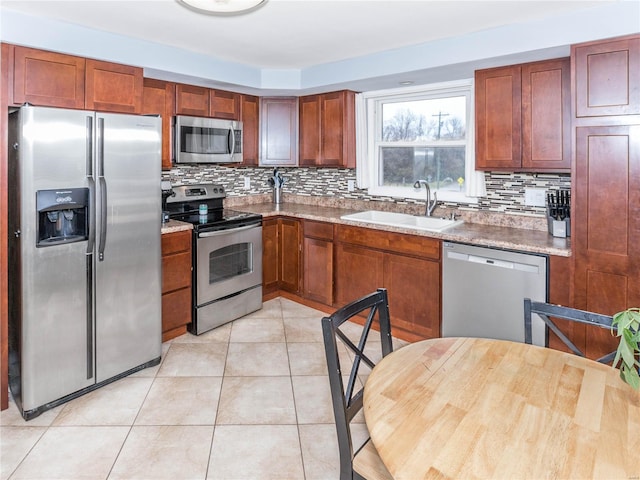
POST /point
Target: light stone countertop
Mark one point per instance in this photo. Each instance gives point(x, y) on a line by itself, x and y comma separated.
point(175, 226)
point(510, 238)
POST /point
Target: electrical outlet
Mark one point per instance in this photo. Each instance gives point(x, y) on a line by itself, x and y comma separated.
point(247, 183)
point(534, 197)
point(351, 185)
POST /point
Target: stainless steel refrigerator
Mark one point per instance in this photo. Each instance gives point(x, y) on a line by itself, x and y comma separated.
point(84, 252)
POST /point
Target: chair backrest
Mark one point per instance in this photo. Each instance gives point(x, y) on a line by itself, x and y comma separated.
point(347, 402)
point(546, 311)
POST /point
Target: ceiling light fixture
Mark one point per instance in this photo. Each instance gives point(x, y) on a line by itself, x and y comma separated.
point(406, 82)
point(222, 7)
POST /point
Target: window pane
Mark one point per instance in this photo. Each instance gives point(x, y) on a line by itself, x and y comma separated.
point(440, 166)
point(424, 120)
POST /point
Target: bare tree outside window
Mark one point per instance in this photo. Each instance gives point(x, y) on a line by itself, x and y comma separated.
point(424, 139)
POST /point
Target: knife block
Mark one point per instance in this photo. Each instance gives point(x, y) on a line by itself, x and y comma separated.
point(558, 228)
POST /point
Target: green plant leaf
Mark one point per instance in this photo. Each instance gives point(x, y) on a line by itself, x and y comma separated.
point(627, 323)
point(631, 377)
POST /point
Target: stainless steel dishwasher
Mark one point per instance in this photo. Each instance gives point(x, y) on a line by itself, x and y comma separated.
point(483, 290)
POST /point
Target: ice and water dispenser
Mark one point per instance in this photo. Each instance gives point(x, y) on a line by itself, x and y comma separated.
point(63, 216)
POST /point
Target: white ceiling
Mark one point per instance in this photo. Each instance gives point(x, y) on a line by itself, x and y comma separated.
point(297, 34)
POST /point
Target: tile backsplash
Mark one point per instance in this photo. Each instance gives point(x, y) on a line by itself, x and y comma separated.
point(505, 191)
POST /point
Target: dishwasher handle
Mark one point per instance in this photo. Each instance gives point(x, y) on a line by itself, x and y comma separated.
point(493, 262)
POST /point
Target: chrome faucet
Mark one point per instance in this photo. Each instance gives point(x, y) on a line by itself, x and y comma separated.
point(431, 204)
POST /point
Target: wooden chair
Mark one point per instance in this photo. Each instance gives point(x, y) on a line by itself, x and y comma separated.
point(547, 310)
point(365, 462)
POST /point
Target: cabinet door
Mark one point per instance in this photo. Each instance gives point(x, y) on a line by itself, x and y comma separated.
point(310, 130)
point(48, 79)
point(176, 283)
point(606, 219)
point(560, 294)
point(318, 270)
point(278, 131)
point(290, 247)
point(498, 118)
point(607, 77)
point(192, 100)
point(413, 286)
point(176, 313)
point(159, 99)
point(337, 117)
point(269, 256)
point(223, 104)
point(111, 87)
point(358, 272)
point(250, 116)
point(546, 115)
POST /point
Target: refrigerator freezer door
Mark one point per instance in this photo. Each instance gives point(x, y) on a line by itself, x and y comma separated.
point(128, 258)
point(55, 331)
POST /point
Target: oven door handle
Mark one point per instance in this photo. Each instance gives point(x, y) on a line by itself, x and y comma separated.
point(218, 233)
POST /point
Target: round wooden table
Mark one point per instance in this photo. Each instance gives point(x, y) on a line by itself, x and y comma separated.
point(479, 408)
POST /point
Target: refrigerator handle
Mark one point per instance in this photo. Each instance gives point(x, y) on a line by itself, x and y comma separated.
point(100, 146)
point(89, 154)
point(92, 216)
point(90, 305)
point(92, 187)
point(103, 190)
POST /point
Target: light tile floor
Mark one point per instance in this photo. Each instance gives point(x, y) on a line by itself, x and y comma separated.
point(248, 400)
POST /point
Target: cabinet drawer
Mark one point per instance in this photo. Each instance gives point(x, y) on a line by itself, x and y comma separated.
point(319, 230)
point(176, 309)
point(176, 271)
point(390, 241)
point(176, 242)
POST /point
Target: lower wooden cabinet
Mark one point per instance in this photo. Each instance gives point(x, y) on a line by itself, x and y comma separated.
point(318, 261)
point(176, 283)
point(269, 256)
point(289, 243)
point(281, 248)
point(408, 266)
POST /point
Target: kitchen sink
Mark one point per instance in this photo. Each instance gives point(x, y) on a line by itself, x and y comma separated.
point(430, 224)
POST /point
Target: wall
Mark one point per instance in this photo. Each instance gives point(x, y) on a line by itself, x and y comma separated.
point(505, 191)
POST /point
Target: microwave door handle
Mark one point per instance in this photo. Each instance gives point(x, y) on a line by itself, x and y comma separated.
point(232, 140)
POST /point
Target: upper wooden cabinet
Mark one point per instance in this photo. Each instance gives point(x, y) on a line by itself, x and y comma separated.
point(205, 102)
point(250, 117)
point(327, 129)
point(192, 100)
point(523, 117)
point(223, 104)
point(278, 131)
point(159, 98)
point(47, 78)
point(111, 87)
point(56, 80)
point(607, 77)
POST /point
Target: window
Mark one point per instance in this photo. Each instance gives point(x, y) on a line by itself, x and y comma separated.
point(420, 133)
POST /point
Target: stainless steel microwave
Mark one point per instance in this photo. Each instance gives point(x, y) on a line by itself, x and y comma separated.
point(207, 140)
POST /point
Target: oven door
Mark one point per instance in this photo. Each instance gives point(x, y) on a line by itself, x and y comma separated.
point(228, 262)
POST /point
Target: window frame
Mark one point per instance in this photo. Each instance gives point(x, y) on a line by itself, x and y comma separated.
point(373, 103)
